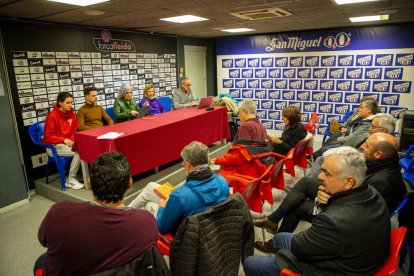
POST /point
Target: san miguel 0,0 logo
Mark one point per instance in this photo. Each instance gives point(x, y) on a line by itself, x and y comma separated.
point(106, 43)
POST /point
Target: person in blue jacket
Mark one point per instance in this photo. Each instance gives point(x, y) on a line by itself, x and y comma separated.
point(202, 190)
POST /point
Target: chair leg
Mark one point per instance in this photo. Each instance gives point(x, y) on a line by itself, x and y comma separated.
point(47, 172)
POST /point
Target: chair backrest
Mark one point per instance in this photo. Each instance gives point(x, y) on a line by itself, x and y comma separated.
point(390, 265)
point(110, 112)
point(346, 116)
point(312, 121)
point(166, 102)
point(36, 132)
point(400, 206)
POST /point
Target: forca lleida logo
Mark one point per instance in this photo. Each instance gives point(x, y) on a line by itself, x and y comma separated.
point(106, 43)
point(341, 40)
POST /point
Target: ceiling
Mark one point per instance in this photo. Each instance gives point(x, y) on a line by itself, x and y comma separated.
point(143, 16)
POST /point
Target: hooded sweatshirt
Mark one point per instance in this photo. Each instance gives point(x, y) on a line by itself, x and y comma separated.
point(60, 126)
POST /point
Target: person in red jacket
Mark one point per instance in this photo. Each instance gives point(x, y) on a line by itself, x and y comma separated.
point(60, 129)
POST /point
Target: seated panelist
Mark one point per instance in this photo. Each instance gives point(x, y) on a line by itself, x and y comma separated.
point(125, 107)
point(154, 105)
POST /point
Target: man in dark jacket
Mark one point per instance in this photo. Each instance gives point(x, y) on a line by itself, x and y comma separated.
point(351, 234)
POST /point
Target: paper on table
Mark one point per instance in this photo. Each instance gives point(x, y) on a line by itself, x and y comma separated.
point(110, 135)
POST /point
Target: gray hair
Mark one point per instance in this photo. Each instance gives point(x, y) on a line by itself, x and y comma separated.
point(184, 79)
point(386, 121)
point(122, 90)
point(350, 162)
point(249, 106)
point(372, 105)
point(196, 153)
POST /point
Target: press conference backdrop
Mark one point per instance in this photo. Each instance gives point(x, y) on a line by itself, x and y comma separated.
point(325, 71)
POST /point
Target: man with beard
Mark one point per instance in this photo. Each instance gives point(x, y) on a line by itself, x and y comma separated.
point(91, 115)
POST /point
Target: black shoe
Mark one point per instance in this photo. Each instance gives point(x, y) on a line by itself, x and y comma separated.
point(264, 222)
point(264, 246)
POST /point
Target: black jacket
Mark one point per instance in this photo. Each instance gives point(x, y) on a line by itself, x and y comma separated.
point(290, 137)
point(351, 236)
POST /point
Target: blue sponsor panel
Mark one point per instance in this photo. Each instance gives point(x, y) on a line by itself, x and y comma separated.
point(236, 93)
point(247, 94)
point(384, 109)
point(336, 73)
point(329, 117)
point(281, 62)
point(280, 105)
point(393, 73)
point(261, 114)
point(279, 125)
point(268, 124)
point(325, 108)
point(364, 60)
point(328, 60)
point(376, 96)
point(384, 59)
point(304, 73)
point(346, 60)
point(253, 83)
point(310, 106)
point(342, 109)
point(381, 86)
point(354, 106)
point(321, 118)
point(296, 61)
point(253, 62)
point(390, 99)
point(274, 73)
point(352, 98)
point(234, 73)
point(281, 84)
point(373, 73)
point(303, 96)
point(247, 73)
point(312, 61)
point(335, 97)
point(240, 83)
point(362, 85)
point(304, 117)
point(289, 73)
point(260, 73)
point(274, 114)
point(327, 85)
point(297, 104)
point(311, 84)
point(240, 62)
point(266, 62)
point(395, 111)
point(318, 96)
point(228, 83)
point(322, 129)
point(344, 85)
point(266, 83)
point(227, 63)
point(266, 104)
point(354, 73)
point(274, 94)
point(288, 95)
point(404, 59)
point(260, 94)
point(320, 73)
point(295, 84)
point(401, 86)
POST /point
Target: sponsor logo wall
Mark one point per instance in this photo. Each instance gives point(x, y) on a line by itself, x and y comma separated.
point(323, 72)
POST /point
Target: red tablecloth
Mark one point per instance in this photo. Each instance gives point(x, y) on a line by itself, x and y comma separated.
point(153, 141)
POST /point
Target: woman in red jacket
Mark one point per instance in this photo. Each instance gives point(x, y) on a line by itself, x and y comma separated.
point(60, 129)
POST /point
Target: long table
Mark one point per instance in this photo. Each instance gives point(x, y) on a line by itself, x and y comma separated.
point(153, 141)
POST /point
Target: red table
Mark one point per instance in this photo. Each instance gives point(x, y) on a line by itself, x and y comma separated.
point(153, 141)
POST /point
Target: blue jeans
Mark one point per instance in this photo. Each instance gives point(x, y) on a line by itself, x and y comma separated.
point(266, 265)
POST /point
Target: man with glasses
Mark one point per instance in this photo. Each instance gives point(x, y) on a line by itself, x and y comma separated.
point(183, 96)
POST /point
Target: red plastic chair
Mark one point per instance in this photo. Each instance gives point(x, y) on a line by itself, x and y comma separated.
point(310, 126)
point(288, 272)
point(164, 243)
point(295, 157)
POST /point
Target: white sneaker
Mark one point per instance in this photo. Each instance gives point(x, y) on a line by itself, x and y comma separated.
point(74, 184)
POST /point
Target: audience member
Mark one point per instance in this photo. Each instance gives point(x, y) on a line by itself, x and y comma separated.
point(202, 190)
point(183, 96)
point(125, 107)
point(250, 126)
point(353, 136)
point(294, 131)
point(60, 129)
point(349, 236)
point(154, 105)
point(83, 238)
point(383, 173)
point(91, 115)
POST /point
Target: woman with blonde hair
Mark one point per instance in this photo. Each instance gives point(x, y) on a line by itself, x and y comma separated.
point(154, 105)
point(125, 107)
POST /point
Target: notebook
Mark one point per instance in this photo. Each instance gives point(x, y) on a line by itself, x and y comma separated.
point(205, 102)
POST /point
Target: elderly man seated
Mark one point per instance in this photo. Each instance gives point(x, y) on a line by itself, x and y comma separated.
point(250, 126)
point(349, 236)
point(202, 190)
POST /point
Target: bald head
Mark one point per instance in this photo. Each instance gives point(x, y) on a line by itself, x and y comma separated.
point(380, 146)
